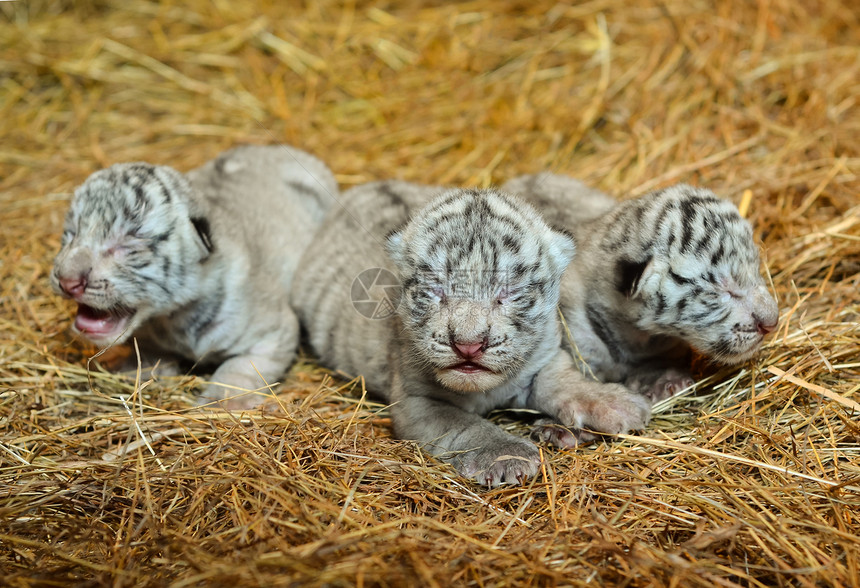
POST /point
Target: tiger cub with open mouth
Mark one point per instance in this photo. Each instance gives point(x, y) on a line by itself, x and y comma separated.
point(198, 265)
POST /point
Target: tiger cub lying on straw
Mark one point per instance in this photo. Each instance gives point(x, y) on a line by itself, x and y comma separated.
point(654, 277)
point(475, 328)
point(199, 265)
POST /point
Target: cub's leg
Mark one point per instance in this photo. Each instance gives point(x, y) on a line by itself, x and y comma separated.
point(476, 447)
point(576, 403)
point(267, 360)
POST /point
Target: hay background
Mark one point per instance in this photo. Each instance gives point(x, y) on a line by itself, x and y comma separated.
point(753, 480)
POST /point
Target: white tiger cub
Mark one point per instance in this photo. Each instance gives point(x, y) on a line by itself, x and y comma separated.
point(197, 265)
point(475, 328)
point(654, 277)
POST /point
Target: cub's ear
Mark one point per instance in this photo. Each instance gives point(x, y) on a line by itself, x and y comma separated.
point(562, 249)
point(394, 246)
point(631, 275)
point(204, 235)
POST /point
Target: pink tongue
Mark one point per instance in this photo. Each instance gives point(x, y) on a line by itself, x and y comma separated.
point(91, 320)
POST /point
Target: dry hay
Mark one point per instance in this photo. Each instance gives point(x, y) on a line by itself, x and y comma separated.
point(752, 479)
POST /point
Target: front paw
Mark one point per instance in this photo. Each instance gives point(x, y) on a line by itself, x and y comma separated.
point(607, 409)
point(670, 383)
point(509, 462)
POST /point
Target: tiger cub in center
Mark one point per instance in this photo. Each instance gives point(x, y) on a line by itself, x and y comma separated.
point(196, 266)
point(472, 327)
point(655, 277)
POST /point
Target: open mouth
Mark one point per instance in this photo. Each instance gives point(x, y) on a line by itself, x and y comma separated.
point(470, 367)
point(101, 324)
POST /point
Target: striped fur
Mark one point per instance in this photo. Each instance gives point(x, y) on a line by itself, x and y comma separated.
point(196, 265)
point(656, 276)
point(476, 327)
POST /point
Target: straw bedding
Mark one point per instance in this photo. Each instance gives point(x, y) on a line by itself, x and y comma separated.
point(752, 479)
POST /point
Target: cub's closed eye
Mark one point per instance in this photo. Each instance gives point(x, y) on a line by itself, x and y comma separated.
point(429, 292)
point(130, 246)
point(730, 285)
point(508, 295)
point(138, 236)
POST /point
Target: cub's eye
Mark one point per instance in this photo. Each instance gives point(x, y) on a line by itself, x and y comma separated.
point(732, 287)
point(116, 250)
point(433, 292)
point(429, 293)
point(437, 291)
point(128, 247)
point(70, 230)
point(508, 293)
point(709, 295)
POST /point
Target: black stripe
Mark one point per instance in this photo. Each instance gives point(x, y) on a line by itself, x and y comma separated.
point(703, 244)
point(128, 213)
point(139, 198)
point(493, 255)
point(664, 211)
point(201, 225)
point(628, 273)
point(424, 269)
point(703, 319)
point(444, 218)
point(717, 256)
point(137, 265)
point(166, 189)
point(511, 244)
point(438, 242)
point(661, 304)
point(165, 264)
point(481, 223)
point(678, 279)
point(602, 330)
point(518, 271)
point(688, 213)
point(205, 315)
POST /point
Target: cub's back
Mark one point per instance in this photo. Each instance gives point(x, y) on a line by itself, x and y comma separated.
point(342, 331)
point(562, 200)
point(268, 198)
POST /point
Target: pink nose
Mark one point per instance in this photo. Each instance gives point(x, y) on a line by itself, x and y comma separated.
point(764, 327)
point(470, 350)
point(74, 286)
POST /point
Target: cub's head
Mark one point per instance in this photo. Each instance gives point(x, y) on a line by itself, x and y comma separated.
point(699, 278)
point(131, 249)
point(480, 274)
